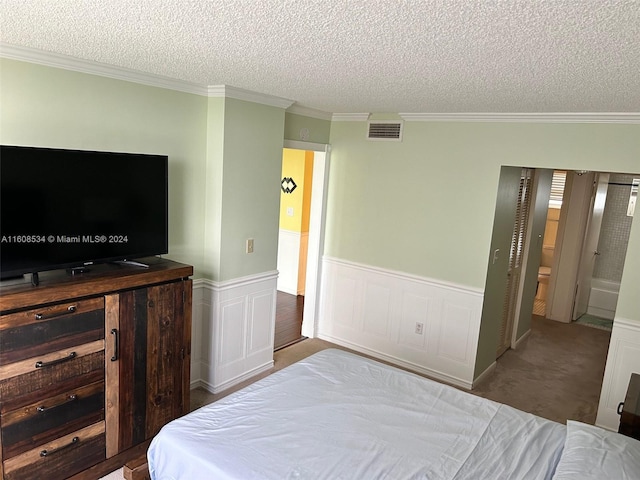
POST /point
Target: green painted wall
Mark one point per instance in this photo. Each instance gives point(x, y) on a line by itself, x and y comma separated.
point(629, 297)
point(317, 129)
point(423, 206)
point(253, 138)
point(224, 155)
point(50, 107)
point(426, 205)
point(212, 218)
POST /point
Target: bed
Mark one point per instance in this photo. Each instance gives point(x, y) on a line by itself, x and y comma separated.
point(336, 415)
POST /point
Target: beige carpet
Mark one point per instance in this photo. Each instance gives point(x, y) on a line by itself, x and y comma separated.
point(556, 374)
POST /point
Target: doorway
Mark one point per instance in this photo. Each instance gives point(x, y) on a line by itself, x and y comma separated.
point(590, 249)
point(549, 238)
point(301, 255)
point(566, 253)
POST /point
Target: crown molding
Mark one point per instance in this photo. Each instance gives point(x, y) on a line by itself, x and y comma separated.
point(241, 94)
point(67, 62)
point(605, 117)
point(350, 117)
point(309, 112)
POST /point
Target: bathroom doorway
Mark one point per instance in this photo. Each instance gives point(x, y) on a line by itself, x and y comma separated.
point(564, 293)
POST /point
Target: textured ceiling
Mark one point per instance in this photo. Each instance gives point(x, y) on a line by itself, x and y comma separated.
point(338, 56)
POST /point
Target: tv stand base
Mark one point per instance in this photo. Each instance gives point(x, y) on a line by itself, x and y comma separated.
point(131, 263)
point(78, 270)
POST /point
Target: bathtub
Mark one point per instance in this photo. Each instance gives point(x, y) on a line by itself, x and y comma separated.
point(603, 298)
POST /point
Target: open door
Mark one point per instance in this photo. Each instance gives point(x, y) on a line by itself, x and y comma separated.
point(317, 220)
point(590, 246)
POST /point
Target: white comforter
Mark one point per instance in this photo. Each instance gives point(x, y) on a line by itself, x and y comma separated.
point(336, 415)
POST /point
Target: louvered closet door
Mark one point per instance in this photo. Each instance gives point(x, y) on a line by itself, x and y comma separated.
point(516, 255)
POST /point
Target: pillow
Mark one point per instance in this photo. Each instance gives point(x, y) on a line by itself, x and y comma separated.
point(592, 452)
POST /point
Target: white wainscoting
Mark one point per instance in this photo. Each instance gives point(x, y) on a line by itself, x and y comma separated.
point(375, 311)
point(233, 326)
point(623, 359)
point(288, 261)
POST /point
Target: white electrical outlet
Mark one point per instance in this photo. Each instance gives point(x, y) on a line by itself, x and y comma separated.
point(419, 328)
point(249, 245)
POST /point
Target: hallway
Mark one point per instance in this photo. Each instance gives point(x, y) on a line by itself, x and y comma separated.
point(556, 372)
point(288, 327)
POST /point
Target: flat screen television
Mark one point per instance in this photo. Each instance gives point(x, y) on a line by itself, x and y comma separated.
point(72, 208)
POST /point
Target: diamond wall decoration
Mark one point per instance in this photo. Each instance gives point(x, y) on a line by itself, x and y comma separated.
point(288, 185)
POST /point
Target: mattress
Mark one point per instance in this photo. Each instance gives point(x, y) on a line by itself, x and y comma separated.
point(336, 415)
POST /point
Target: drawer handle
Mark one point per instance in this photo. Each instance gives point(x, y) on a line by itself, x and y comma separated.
point(70, 309)
point(70, 398)
point(114, 332)
point(41, 364)
point(48, 453)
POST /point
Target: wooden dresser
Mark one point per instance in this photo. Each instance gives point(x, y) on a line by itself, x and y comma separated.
point(91, 367)
point(629, 410)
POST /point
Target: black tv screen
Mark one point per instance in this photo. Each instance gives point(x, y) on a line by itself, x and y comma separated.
point(69, 208)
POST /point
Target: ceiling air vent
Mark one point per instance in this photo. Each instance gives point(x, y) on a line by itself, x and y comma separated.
point(390, 130)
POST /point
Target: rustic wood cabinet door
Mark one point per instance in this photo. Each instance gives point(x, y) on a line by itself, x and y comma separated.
point(148, 357)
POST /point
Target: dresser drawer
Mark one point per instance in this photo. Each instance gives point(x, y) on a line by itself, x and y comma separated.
point(630, 410)
point(45, 330)
point(60, 458)
point(50, 418)
point(29, 381)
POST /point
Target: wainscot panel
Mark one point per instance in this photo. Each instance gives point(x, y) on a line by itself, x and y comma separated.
point(623, 359)
point(425, 325)
point(235, 330)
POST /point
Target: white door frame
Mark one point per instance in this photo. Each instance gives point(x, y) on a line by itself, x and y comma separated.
point(317, 219)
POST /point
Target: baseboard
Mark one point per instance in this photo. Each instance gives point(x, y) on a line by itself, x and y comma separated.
point(485, 374)
point(520, 340)
point(232, 382)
